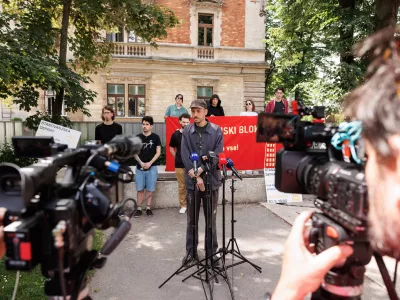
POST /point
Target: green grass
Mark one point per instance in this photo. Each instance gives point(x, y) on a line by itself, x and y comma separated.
point(31, 284)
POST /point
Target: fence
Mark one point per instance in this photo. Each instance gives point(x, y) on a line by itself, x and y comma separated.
point(9, 129)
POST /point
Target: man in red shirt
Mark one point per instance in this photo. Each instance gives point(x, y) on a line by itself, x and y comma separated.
point(278, 105)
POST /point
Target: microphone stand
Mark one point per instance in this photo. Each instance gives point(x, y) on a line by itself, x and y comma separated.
point(212, 269)
point(232, 242)
point(204, 266)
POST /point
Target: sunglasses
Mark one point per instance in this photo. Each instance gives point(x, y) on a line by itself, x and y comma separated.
point(249, 104)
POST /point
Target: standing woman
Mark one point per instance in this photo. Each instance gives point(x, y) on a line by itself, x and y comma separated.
point(250, 109)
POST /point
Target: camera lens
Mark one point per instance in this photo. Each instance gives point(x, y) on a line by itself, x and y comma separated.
point(10, 184)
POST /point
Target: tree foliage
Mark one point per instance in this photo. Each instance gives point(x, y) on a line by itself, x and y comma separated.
point(35, 36)
point(309, 44)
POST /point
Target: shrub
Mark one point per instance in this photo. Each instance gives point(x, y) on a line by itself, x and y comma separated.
point(7, 155)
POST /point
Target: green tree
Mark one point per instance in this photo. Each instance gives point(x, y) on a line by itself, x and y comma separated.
point(33, 50)
point(310, 45)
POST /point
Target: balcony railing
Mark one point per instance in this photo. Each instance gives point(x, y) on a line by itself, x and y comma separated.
point(205, 53)
point(130, 49)
point(188, 52)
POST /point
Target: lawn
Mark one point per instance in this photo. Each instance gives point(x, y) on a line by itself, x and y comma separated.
point(31, 284)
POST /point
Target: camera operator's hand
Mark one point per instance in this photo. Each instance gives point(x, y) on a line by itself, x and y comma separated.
point(200, 184)
point(2, 244)
point(302, 271)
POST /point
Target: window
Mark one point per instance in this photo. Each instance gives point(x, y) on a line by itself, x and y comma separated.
point(49, 100)
point(133, 38)
point(116, 36)
point(204, 92)
point(205, 33)
point(116, 98)
point(136, 103)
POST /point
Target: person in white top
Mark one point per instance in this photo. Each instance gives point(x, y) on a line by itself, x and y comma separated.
point(250, 109)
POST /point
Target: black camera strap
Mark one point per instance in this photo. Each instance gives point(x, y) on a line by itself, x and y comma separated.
point(386, 277)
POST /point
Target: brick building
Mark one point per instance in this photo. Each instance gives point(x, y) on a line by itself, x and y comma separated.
point(217, 49)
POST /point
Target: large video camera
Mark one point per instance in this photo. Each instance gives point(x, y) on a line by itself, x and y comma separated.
point(51, 222)
point(311, 163)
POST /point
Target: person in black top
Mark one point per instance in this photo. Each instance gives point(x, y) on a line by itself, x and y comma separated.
point(175, 149)
point(106, 131)
point(146, 169)
point(214, 107)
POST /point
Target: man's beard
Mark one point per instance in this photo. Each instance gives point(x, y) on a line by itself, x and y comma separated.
point(384, 231)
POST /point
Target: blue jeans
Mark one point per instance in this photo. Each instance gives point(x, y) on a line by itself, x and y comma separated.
point(211, 242)
point(146, 180)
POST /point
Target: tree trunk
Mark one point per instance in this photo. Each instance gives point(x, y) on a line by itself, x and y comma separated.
point(347, 31)
point(386, 13)
point(62, 60)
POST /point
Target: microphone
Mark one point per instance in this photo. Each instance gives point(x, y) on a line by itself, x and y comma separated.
point(122, 147)
point(194, 157)
point(230, 165)
point(100, 162)
point(222, 163)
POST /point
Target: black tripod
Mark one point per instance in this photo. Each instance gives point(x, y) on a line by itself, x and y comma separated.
point(210, 270)
point(235, 251)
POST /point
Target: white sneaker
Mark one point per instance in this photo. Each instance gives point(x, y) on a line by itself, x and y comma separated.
point(182, 210)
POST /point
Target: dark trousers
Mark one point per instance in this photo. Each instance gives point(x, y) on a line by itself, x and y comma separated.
point(192, 212)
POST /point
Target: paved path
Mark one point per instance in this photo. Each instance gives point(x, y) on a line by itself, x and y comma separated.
point(154, 248)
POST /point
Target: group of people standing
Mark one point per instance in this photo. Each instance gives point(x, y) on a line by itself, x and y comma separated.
point(278, 104)
point(199, 137)
point(146, 170)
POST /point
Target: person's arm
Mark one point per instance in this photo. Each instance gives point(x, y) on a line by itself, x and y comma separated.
point(185, 154)
point(97, 134)
point(155, 157)
point(222, 112)
point(219, 142)
point(2, 243)
point(172, 150)
point(120, 129)
point(173, 145)
point(302, 271)
point(139, 160)
point(167, 112)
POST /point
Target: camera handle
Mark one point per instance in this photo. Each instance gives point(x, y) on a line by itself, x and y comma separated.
point(345, 282)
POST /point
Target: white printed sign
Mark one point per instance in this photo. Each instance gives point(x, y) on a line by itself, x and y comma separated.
point(275, 196)
point(60, 134)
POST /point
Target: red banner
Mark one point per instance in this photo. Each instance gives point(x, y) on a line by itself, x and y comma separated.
point(239, 141)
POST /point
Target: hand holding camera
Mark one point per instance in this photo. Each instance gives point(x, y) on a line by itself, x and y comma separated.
point(311, 268)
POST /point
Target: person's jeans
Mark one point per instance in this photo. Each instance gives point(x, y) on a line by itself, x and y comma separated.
point(211, 242)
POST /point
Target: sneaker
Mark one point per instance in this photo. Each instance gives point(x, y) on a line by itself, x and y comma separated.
point(182, 210)
point(137, 213)
point(189, 260)
point(215, 262)
point(149, 212)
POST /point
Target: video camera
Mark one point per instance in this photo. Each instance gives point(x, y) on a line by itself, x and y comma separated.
point(323, 160)
point(51, 222)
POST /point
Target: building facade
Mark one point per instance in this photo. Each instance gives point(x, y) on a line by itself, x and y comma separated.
point(216, 49)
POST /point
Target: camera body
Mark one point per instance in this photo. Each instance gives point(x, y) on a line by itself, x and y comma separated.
point(51, 222)
point(339, 187)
